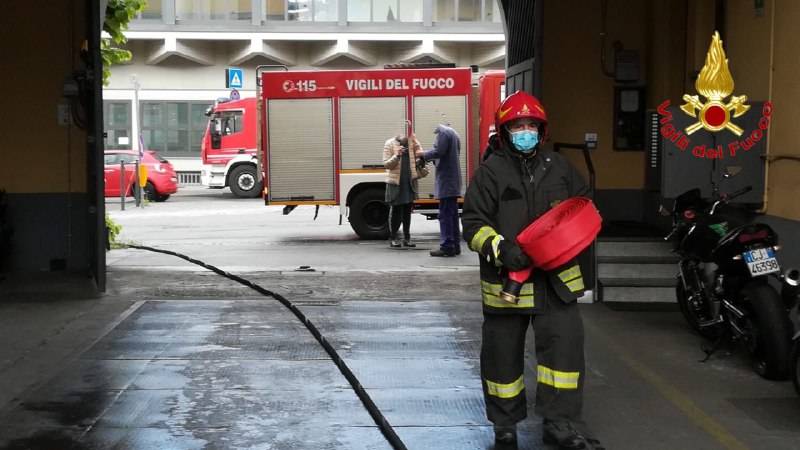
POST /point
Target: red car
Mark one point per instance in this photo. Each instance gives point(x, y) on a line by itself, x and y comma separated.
point(161, 178)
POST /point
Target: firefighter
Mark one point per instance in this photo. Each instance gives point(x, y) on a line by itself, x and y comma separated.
point(516, 185)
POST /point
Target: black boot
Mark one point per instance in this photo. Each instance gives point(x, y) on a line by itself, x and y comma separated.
point(505, 435)
point(566, 437)
point(442, 252)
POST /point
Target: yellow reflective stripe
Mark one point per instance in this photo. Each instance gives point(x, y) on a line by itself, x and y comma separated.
point(570, 274)
point(480, 237)
point(575, 285)
point(491, 296)
point(527, 288)
point(496, 249)
point(505, 390)
point(559, 380)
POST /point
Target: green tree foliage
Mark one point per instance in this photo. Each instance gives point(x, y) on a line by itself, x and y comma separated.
point(118, 14)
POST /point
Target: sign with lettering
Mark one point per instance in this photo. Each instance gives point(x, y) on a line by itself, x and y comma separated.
point(714, 115)
point(367, 83)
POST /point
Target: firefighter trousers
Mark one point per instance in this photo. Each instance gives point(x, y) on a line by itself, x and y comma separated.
point(559, 363)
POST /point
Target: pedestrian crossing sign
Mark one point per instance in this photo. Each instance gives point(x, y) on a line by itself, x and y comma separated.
point(234, 78)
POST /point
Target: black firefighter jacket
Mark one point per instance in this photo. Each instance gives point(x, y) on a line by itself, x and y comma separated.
point(508, 192)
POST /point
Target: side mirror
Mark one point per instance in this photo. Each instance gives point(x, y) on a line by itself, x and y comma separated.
point(664, 211)
point(216, 140)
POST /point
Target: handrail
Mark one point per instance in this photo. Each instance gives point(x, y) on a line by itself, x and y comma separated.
point(586, 156)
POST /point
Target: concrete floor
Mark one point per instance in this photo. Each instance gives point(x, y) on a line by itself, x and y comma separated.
point(177, 357)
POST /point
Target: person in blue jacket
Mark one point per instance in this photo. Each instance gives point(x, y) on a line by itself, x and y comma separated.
point(445, 152)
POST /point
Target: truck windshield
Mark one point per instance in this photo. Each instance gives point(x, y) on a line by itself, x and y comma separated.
point(226, 122)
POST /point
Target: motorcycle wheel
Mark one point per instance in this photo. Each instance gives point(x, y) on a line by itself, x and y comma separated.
point(691, 317)
point(771, 340)
point(795, 362)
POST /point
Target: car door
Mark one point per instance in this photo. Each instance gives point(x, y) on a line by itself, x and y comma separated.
point(111, 174)
point(130, 170)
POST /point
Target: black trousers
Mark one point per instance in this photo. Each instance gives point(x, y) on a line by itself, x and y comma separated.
point(560, 369)
point(398, 213)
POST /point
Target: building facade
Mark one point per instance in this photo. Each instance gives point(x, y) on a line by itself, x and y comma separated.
point(181, 49)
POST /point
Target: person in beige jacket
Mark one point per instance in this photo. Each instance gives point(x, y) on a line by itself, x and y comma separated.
point(402, 173)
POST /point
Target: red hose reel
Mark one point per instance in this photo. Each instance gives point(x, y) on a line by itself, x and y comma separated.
point(554, 239)
point(561, 233)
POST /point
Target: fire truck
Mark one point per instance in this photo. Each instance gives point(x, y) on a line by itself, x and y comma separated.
point(228, 149)
point(322, 135)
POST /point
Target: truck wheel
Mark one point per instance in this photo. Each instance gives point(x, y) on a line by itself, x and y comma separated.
point(244, 181)
point(369, 214)
point(770, 341)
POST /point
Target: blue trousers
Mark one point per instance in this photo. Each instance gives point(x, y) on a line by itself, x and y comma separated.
point(449, 232)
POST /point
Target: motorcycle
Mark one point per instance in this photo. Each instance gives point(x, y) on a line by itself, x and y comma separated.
point(722, 287)
point(790, 293)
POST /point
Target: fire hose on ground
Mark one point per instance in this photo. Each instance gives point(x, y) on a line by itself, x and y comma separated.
point(366, 400)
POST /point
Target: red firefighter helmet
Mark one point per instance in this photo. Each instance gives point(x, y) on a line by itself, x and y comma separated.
point(521, 105)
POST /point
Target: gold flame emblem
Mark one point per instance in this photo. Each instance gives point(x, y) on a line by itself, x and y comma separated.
point(715, 83)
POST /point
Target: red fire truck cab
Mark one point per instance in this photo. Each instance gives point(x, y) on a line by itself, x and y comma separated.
point(228, 149)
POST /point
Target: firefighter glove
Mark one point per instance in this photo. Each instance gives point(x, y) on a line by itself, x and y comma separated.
point(511, 256)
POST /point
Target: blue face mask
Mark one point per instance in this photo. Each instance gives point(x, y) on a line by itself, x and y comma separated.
point(525, 141)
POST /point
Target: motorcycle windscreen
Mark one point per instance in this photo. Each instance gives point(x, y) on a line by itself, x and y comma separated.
point(366, 124)
point(429, 113)
point(301, 156)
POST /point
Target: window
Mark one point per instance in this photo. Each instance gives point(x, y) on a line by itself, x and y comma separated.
point(229, 122)
point(299, 10)
point(204, 10)
point(444, 10)
point(152, 10)
point(384, 10)
point(275, 9)
point(111, 160)
point(177, 125)
point(491, 11)
point(466, 10)
point(359, 10)
point(326, 10)
point(117, 123)
point(127, 158)
point(411, 10)
point(469, 10)
point(174, 128)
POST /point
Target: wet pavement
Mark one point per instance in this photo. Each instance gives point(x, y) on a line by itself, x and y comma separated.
point(173, 356)
point(247, 374)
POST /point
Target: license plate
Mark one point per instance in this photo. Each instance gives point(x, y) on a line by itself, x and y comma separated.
point(761, 261)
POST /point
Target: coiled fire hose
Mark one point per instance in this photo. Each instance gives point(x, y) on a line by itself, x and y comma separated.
point(377, 416)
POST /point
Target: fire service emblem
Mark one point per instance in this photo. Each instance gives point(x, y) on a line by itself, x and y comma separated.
point(715, 83)
point(715, 114)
